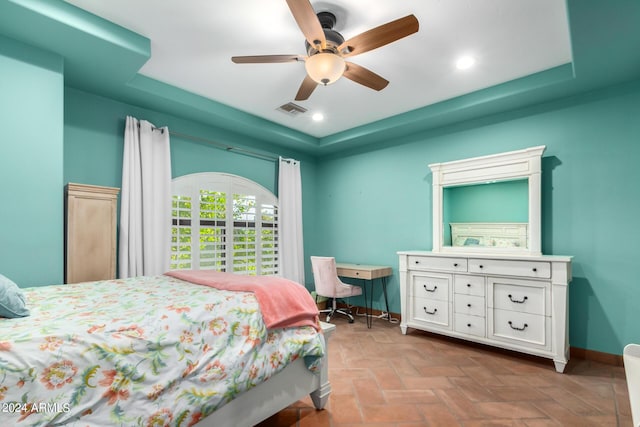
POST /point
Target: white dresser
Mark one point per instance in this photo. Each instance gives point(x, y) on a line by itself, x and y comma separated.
point(513, 302)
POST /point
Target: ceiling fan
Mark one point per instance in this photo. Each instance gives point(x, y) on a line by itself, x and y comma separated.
point(326, 49)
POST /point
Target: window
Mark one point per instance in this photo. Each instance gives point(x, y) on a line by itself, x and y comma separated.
point(224, 222)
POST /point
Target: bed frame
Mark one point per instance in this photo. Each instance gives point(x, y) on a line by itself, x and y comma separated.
point(631, 357)
point(278, 392)
point(490, 234)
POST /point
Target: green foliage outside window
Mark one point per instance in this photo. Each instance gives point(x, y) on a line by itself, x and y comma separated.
point(212, 227)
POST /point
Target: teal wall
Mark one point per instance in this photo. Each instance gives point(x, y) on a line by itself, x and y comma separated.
point(94, 131)
point(31, 111)
point(373, 204)
point(93, 146)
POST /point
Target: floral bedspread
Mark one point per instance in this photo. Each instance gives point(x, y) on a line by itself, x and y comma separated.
point(145, 351)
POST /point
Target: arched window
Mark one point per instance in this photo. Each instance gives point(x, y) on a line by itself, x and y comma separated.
point(224, 222)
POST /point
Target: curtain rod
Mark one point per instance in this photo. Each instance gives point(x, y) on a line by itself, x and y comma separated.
point(225, 147)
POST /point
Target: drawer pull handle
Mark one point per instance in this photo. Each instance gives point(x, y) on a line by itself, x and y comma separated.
point(468, 285)
point(469, 305)
point(535, 269)
point(417, 262)
point(468, 325)
point(429, 290)
point(455, 264)
point(516, 328)
point(481, 266)
point(430, 312)
point(518, 301)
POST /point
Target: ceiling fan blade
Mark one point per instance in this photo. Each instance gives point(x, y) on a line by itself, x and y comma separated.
point(264, 59)
point(308, 22)
point(306, 89)
point(365, 77)
point(380, 36)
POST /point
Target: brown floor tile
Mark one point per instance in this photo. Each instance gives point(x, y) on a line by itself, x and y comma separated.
point(411, 396)
point(381, 378)
point(495, 423)
point(512, 410)
point(368, 392)
point(473, 391)
point(345, 409)
point(517, 393)
point(388, 378)
point(439, 415)
point(459, 404)
point(390, 413)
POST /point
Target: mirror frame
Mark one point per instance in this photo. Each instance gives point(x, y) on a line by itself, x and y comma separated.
point(520, 164)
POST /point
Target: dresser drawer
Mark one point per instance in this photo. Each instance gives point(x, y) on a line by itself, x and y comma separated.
point(416, 262)
point(431, 286)
point(523, 328)
point(472, 325)
point(520, 296)
point(431, 311)
point(469, 285)
point(535, 269)
point(469, 304)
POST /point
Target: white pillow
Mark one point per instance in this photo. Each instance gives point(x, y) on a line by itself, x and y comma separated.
point(12, 301)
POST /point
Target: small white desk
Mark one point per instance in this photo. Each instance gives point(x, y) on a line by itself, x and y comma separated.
point(368, 274)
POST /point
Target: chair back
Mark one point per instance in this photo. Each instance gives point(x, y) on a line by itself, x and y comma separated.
point(325, 275)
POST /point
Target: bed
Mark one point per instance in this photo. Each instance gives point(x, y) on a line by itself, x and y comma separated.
point(156, 350)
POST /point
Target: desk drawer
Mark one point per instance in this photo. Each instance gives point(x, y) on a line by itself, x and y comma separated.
point(416, 262)
point(469, 285)
point(520, 296)
point(469, 304)
point(534, 269)
point(431, 311)
point(354, 274)
point(432, 287)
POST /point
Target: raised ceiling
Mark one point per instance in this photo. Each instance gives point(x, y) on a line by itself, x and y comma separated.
point(173, 57)
point(192, 43)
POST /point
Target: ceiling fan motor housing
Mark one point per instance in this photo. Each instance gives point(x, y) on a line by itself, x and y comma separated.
point(334, 38)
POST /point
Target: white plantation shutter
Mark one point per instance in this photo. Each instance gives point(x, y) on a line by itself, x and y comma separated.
point(244, 233)
point(269, 253)
point(224, 222)
point(181, 253)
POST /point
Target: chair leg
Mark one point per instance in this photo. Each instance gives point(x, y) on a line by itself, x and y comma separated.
point(334, 309)
point(347, 313)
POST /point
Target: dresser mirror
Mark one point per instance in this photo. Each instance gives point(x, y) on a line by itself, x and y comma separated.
point(488, 204)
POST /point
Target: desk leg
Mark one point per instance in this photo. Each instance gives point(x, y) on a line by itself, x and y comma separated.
point(386, 300)
point(368, 304)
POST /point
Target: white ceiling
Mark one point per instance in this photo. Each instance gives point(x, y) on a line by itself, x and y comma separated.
point(192, 42)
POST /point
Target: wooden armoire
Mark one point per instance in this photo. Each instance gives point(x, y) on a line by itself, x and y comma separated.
point(90, 232)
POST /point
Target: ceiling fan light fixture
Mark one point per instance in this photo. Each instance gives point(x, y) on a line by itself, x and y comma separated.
point(325, 68)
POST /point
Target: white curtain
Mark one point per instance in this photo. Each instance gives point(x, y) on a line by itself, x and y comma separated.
point(145, 208)
point(290, 224)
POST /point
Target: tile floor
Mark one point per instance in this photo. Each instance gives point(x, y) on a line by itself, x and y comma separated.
point(380, 377)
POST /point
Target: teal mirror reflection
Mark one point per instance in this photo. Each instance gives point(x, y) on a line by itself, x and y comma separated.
point(497, 202)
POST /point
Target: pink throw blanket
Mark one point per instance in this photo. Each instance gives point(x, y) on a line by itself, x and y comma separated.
point(283, 303)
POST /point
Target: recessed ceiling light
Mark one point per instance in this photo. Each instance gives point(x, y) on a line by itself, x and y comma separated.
point(317, 117)
point(465, 62)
